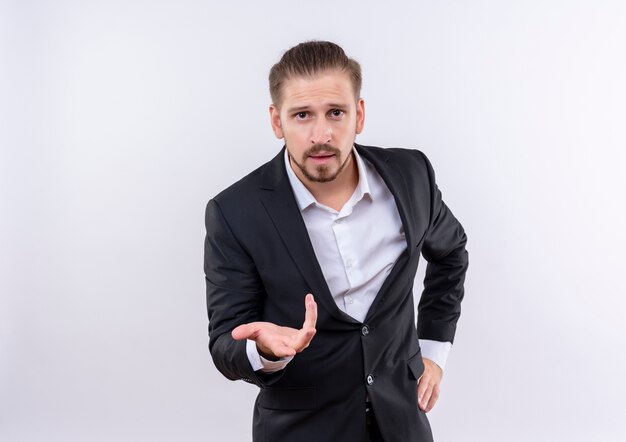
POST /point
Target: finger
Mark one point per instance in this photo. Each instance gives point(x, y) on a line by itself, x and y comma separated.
point(433, 400)
point(422, 386)
point(310, 315)
point(302, 339)
point(244, 331)
point(424, 392)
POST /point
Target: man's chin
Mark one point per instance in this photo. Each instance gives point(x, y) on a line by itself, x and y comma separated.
point(321, 176)
point(324, 179)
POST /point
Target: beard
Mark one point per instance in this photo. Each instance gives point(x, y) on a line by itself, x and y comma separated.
point(322, 173)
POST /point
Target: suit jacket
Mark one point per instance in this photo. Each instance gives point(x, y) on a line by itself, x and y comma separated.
point(259, 264)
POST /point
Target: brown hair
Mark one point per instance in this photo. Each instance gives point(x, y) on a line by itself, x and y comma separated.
point(310, 58)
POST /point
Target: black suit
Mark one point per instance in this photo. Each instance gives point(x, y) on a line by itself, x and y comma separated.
point(259, 265)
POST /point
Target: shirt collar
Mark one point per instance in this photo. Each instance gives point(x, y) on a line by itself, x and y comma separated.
point(305, 198)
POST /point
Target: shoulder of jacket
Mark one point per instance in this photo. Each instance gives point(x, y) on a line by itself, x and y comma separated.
point(242, 188)
point(403, 157)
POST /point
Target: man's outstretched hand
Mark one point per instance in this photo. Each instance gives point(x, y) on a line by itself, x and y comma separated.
point(275, 342)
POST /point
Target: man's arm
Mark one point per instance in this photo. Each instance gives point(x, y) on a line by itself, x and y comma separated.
point(235, 297)
point(440, 304)
point(444, 249)
point(234, 294)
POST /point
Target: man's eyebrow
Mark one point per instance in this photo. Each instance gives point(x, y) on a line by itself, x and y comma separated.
point(338, 105)
point(295, 110)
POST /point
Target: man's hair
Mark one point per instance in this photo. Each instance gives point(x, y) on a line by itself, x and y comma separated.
point(308, 59)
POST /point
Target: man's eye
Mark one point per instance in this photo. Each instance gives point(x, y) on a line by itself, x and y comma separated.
point(301, 115)
point(336, 112)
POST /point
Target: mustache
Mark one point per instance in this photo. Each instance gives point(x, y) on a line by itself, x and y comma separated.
point(317, 148)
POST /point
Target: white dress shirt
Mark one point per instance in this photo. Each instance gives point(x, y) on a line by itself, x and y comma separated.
point(356, 248)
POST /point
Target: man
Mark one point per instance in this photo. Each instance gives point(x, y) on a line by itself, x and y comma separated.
point(310, 262)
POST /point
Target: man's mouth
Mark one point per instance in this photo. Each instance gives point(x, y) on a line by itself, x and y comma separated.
point(321, 157)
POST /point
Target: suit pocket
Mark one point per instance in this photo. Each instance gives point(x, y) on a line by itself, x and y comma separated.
point(288, 398)
point(416, 365)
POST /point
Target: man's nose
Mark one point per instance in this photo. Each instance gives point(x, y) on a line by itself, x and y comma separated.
point(321, 133)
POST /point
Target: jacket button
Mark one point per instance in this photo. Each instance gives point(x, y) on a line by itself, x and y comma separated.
point(370, 379)
point(365, 330)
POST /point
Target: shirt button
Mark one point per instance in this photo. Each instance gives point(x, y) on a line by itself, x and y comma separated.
point(349, 263)
point(349, 299)
point(365, 330)
point(370, 379)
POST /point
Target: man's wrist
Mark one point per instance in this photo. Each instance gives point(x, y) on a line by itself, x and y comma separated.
point(436, 351)
point(259, 362)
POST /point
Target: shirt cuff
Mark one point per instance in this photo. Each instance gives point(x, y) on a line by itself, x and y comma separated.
point(258, 362)
point(436, 351)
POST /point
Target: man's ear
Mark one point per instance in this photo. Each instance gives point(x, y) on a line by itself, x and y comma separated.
point(360, 115)
point(275, 121)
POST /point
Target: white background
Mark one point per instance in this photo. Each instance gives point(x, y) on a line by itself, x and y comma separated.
point(120, 119)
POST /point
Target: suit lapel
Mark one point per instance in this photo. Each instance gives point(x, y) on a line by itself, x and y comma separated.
point(391, 174)
point(394, 180)
point(281, 206)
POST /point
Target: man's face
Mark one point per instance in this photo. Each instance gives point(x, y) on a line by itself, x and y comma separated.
point(319, 118)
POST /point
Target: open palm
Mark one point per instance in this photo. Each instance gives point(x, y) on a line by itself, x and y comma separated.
point(274, 341)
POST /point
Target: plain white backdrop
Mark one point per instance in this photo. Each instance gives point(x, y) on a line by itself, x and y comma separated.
point(120, 119)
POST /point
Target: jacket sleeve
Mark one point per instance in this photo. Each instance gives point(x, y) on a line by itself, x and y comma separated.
point(235, 296)
point(444, 249)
